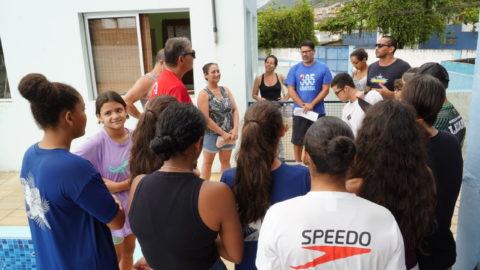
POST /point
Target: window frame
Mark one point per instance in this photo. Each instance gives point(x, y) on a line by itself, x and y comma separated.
point(4, 99)
point(92, 82)
point(87, 46)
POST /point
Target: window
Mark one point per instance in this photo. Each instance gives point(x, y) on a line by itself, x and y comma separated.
point(115, 53)
point(4, 88)
point(449, 41)
point(123, 47)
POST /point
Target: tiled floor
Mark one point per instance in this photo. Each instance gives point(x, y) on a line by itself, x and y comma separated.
point(12, 205)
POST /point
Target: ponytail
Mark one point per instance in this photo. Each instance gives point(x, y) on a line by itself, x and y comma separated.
point(258, 149)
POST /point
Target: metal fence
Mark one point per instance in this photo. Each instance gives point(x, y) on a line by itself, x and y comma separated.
point(332, 108)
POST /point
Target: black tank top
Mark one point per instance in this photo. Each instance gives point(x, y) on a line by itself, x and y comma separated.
point(271, 92)
point(164, 216)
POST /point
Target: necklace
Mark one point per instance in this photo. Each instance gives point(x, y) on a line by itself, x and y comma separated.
point(177, 168)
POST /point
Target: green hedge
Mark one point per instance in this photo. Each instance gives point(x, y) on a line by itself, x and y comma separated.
point(286, 28)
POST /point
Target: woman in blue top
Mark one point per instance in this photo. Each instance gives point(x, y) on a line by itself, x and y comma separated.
point(260, 179)
point(66, 200)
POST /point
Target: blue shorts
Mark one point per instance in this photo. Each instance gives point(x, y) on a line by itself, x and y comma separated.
point(210, 144)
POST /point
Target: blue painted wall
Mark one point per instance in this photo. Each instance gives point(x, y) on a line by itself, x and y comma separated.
point(337, 58)
point(364, 40)
point(461, 75)
point(465, 40)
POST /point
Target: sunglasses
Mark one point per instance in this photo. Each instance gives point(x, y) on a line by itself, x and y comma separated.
point(379, 45)
point(338, 92)
point(189, 53)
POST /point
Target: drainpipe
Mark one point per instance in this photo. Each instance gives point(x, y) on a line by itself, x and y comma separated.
point(215, 30)
point(468, 233)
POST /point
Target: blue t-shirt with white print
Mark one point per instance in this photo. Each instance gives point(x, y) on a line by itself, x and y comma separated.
point(67, 207)
point(308, 81)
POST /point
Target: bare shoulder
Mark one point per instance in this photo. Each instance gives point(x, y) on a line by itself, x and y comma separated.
point(202, 96)
point(215, 192)
point(216, 188)
point(226, 89)
point(133, 187)
point(136, 181)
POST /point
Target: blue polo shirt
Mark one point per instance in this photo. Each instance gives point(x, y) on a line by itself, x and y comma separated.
point(308, 81)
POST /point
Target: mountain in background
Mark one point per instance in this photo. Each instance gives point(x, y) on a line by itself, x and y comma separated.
point(262, 4)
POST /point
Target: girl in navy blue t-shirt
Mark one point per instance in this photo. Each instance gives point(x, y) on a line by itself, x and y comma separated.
point(66, 200)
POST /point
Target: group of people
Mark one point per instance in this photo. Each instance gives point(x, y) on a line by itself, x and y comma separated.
point(377, 191)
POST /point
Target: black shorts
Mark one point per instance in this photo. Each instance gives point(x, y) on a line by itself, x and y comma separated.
point(300, 127)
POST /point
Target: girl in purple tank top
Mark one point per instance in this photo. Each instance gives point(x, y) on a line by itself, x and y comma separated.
point(109, 152)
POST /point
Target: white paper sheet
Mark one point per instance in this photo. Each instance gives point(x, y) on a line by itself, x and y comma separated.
point(310, 115)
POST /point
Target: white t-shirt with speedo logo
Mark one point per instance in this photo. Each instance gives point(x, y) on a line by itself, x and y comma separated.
point(329, 230)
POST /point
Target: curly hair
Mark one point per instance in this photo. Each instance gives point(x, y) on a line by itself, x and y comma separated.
point(258, 148)
point(392, 160)
point(142, 159)
point(177, 128)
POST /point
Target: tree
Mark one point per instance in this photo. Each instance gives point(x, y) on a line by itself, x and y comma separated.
point(285, 28)
point(409, 21)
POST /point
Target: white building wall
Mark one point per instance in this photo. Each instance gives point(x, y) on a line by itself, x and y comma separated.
point(47, 37)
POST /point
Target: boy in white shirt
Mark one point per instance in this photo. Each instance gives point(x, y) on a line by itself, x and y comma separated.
point(354, 111)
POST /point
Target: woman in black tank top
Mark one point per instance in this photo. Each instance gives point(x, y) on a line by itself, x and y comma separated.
point(180, 220)
point(269, 83)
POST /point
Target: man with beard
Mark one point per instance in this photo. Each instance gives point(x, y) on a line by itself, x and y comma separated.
point(308, 84)
point(383, 73)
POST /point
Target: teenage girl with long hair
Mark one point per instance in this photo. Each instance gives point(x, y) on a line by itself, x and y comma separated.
point(182, 221)
point(142, 159)
point(329, 228)
point(67, 202)
point(109, 151)
point(260, 179)
point(391, 170)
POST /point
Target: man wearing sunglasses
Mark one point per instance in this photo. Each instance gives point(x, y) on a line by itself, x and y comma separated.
point(178, 61)
point(387, 69)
